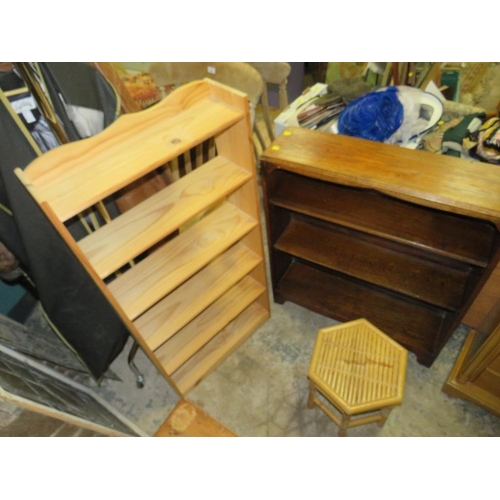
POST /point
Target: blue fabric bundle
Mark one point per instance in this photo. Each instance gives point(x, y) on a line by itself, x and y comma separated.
point(374, 116)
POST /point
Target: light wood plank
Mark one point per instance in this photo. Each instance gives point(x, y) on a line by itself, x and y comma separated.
point(236, 144)
point(196, 334)
point(173, 263)
point(177, 309)
point(229, 339)
point(189, 420)
point(135, 231)
point(82, 173)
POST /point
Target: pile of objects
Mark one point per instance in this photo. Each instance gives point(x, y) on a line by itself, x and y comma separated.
point(404, 116)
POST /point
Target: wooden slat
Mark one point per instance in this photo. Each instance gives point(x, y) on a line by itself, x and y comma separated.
point(80, 174)
point(439, 232)
point(229, 339)
point(138, 229)
point(177, 309)
point(365, 258)
point(173, 263)
point(208, 324)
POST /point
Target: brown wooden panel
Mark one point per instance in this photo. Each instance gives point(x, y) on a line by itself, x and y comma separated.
point(387, 217)
point(414, 325)
point(368, 259)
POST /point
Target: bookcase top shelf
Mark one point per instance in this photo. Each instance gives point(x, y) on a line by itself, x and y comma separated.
point(462, 186)
point(79, 174)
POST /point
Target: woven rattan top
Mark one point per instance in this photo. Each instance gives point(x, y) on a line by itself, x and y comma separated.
point(358, 367)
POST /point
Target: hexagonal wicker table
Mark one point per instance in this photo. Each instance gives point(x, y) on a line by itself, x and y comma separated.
point(360, 371)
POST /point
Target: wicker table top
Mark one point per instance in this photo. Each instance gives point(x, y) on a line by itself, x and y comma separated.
point(358, 367)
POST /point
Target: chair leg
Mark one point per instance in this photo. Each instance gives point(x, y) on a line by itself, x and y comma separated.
point(259, 137)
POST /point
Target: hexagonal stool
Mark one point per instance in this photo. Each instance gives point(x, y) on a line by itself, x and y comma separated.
point(360, 371)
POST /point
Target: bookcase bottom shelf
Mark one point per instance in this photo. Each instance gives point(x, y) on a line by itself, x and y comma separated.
point(415, 325)
point(214, 352)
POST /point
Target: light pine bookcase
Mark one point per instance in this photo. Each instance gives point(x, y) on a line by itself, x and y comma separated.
point(192, 300)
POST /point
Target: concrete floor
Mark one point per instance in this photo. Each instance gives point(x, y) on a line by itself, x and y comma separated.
point(261, 389)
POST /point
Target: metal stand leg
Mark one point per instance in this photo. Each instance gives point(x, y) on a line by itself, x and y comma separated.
point(139, 376)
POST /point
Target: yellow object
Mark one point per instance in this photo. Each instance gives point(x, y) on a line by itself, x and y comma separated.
point(359, 370)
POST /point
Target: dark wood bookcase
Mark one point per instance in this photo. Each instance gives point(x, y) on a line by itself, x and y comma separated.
point(405, 239)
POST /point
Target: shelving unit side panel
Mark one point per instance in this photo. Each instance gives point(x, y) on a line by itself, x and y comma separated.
point(236, 145)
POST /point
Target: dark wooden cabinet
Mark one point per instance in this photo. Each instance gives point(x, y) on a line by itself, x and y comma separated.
point(361, 229)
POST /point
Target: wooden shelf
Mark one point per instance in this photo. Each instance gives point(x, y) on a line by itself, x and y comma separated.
point(212, 354)
point(133, 232)
point(366, 258)
point(358, 229)
point(192, 300)
point(380, 215)
point(196, 334)
point(345, 299)
point(129, 149)
point(189, 300)
point(161, 272)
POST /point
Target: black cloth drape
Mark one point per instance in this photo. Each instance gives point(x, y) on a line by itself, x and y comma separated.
point(69, 296)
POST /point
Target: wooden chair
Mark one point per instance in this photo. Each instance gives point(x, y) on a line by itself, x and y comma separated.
point(273, 73)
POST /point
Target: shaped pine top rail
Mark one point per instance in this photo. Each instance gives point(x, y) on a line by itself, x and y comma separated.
point(77, 175)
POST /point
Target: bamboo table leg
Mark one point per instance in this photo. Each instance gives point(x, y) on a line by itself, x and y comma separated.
point(344, 425)
point(384, 412)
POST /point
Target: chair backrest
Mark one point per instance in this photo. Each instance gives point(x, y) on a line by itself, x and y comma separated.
point(240, 76)
point(273, 73)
